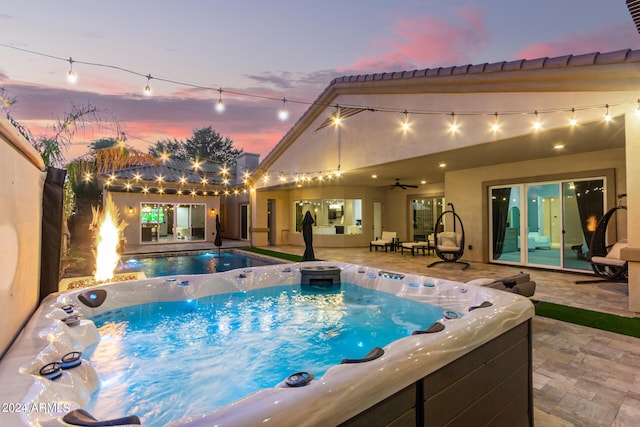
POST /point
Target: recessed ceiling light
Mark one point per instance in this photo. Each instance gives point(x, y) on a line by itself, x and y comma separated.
point(442, 165)
point(423, 181)
point(558, 146)
point(374, 176)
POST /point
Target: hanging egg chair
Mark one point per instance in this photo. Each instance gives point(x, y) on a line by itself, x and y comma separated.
point(449, 245)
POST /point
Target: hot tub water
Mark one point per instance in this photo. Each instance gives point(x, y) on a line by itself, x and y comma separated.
point(167, 360)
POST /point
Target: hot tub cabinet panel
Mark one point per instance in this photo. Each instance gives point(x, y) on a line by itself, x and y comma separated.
point(396, 410)
point(490, 386)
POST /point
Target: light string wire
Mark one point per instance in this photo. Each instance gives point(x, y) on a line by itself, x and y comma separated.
point(301, 177)
point(279, 99)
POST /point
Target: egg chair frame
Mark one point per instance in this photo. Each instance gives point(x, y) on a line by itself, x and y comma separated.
point(599, 250)
point(449, 253)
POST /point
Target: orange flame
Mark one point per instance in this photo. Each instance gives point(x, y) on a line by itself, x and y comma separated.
point(108, 228)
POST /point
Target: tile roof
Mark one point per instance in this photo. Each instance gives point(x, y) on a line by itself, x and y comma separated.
point(626, 55)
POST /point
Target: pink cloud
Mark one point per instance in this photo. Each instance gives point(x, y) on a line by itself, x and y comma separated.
point(427, 42)
point(600, 40)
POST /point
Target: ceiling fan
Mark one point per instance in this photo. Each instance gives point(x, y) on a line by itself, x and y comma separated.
point(397, 184)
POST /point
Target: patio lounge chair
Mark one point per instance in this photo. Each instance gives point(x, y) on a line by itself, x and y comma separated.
point(386, 241)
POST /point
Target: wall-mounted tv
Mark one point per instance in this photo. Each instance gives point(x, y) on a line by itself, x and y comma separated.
point(152, 215)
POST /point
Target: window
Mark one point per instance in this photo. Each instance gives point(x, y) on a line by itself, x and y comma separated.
point(330, 216)
point(425, 213)
point(165, 222)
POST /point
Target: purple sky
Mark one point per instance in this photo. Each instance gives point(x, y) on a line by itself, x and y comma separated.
point(274, 48)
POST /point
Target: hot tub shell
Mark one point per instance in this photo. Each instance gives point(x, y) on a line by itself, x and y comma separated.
point(477, 371)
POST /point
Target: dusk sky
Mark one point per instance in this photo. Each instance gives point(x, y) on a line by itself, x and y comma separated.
point(272, 49)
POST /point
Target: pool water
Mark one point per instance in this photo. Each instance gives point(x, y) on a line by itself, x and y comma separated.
point(164, 361)
point(201, 263)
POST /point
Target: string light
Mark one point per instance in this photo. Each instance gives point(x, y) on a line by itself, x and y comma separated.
point(220, 104)
point(71, 75)
point(453, 127)
point(147, 88)
point(337, 119)
point(283, 114)
point(495, 127)
point(536, 123)
point(405, 124)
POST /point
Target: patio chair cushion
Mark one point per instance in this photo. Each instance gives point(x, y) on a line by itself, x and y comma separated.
point(449, 241)
point(613, 256)
point(386, 238)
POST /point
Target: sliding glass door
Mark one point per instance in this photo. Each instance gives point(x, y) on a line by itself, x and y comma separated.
point(546, 224)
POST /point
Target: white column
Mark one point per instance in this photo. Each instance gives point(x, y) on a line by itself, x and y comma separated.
point(632, 148)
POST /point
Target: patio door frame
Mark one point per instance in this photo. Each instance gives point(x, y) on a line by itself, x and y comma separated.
point(523, 240)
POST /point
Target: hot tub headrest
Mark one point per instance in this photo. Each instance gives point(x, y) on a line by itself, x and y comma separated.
point(93, 298)
point(518, 284)
point(80, 417)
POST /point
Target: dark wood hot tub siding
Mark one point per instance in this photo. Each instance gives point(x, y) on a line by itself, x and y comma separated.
point(490, 386)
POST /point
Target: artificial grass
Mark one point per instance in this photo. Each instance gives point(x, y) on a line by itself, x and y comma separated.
point(594, 319)
point(281, 255)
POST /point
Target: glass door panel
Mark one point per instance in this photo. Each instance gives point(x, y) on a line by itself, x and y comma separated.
point(544, 224)
point(583, 207)
point(506, 224)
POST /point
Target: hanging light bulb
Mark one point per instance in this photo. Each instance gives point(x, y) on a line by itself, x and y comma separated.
point(405, 124)
point(336, 119)
point(147, 88)
point(220, 104)
point(573, 120)
point(607, 116)
point(283, 114)
point(453, 127)
point(638, 109)
point(495, 127)
point(536, 123)
point(71, 76)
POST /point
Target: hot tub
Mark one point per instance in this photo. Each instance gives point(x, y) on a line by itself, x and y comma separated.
point(470, 369)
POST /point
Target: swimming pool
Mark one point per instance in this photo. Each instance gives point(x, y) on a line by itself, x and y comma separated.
point(471, 366)
point(190, 263)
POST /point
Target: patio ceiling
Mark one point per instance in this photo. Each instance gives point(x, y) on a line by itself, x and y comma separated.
point(588, 137)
